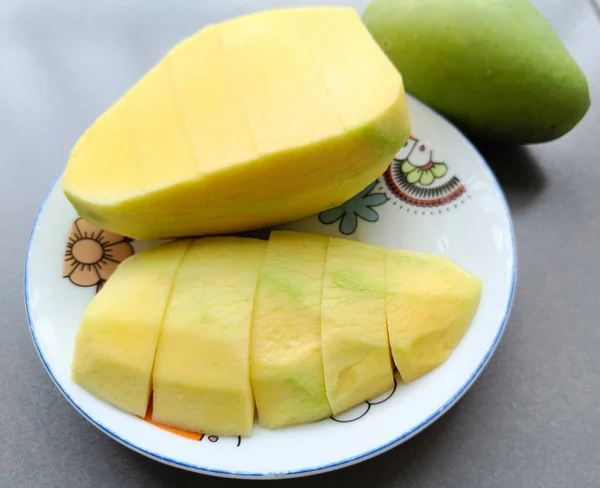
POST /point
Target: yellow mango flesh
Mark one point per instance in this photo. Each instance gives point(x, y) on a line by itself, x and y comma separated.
point(356, 355)
point(430, 303)
point(116, 342)
point(286, 361)
point(299, 320)
point(253, 122)
point(202, 367)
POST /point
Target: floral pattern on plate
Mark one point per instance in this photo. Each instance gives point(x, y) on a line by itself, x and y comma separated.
point(418, 180)
point(358, 207)
point(93, 254)
point(413, 177)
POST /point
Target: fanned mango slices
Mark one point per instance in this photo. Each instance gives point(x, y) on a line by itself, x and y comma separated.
point(301, 326)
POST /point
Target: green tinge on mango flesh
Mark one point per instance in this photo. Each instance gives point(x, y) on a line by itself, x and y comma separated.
point(301, 332)
point(286, 360)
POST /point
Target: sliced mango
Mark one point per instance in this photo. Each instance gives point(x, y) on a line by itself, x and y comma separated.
point(286, 360)
point(252, 122)
point(356, 356)
point(116, 342)
point(202, 366)
point(296, 325)
point(430, 303)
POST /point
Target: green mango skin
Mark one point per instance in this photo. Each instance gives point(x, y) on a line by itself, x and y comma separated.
point(494, 67)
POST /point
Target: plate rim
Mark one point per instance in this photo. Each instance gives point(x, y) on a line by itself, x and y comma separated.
point(316, 469)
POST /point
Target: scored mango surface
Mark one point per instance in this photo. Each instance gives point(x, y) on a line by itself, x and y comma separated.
point(256, 121)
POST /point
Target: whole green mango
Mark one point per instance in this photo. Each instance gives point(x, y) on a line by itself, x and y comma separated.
point(494, 67)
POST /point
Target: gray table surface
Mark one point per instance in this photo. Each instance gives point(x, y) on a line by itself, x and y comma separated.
point(531, 420)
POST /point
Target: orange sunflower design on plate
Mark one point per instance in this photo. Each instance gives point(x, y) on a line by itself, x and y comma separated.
point(92, 254)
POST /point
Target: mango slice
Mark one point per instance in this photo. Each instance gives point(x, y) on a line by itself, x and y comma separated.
point(202, 366)
point(253, 122)
point(356, 356)
point(430, 303)
point(116, 342)
point(286, 361)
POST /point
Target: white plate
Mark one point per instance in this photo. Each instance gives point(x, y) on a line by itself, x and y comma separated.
point(470, 223)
